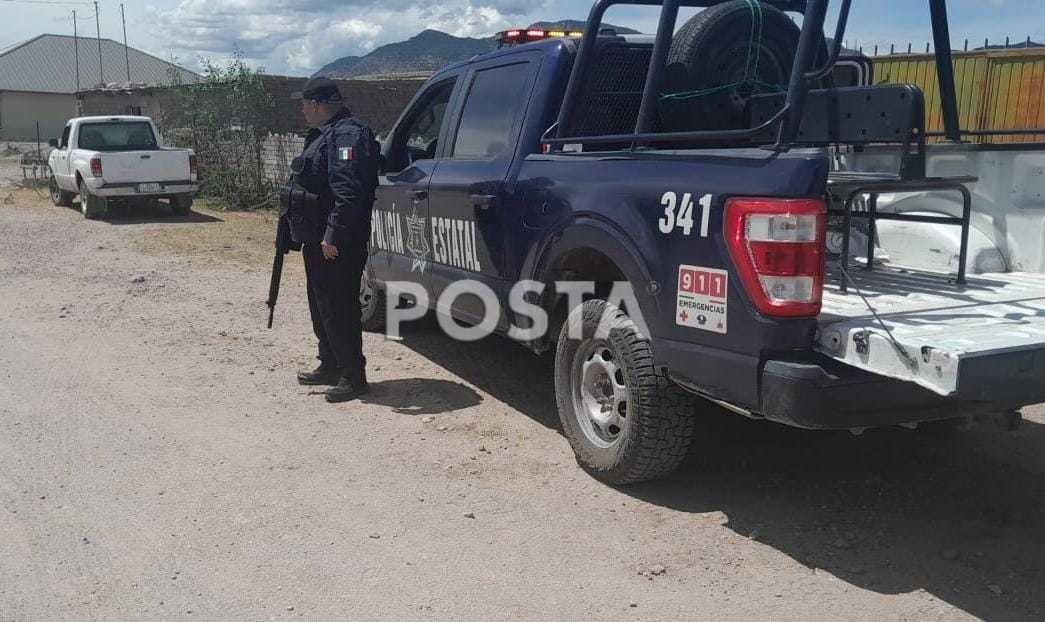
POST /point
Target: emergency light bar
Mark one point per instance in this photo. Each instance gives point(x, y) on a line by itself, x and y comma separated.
point(518, 36)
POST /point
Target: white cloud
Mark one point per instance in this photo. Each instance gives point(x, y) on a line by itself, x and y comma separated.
point(287, 36)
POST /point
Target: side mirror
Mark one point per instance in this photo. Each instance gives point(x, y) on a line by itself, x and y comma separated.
point(53, 142)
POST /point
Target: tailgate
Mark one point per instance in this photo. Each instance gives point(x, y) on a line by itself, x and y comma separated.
point(944, 337)
point(145, 166)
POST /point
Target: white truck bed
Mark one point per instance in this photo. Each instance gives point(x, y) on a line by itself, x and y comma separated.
point(939, 324)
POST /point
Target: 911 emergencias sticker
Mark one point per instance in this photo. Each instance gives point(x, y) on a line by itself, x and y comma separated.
point(702, 298)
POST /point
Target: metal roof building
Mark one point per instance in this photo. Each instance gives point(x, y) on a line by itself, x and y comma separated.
point(39, 79)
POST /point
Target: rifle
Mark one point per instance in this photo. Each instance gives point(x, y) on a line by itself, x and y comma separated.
point(290, 194)
point(283, 246)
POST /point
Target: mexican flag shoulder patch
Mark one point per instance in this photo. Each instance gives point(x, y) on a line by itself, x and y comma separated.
point(345, 154)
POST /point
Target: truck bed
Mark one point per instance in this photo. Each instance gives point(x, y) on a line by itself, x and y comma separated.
point(941, 333)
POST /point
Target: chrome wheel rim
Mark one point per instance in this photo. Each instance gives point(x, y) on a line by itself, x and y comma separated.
point(601, 398)
point(55, 196)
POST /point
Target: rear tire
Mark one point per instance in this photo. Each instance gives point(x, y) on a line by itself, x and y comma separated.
point(60, 197)
point(625, 421)
point(181, 204)
point(92, 207)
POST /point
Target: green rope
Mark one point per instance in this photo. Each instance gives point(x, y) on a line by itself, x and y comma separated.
point(751, 63)
point(718, 89)
point(754, 40)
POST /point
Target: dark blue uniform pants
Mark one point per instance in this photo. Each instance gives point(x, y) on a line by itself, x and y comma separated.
point(333, 299)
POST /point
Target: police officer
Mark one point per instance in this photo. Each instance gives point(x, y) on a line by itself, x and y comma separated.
point(334, 181)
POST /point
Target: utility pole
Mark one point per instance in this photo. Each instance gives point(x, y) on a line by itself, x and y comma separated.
point(76, 51)
point(126, 54)
point(98, 30)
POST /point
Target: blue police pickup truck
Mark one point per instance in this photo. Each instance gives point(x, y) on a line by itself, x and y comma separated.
point(799, 247)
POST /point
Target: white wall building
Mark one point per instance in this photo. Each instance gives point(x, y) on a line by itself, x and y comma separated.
point(39, 80)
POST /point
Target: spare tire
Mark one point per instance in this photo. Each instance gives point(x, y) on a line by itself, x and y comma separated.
point(720, 58)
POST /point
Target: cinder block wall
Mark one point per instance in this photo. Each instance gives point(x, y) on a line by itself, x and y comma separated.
point(277, 152)
point(377, 102)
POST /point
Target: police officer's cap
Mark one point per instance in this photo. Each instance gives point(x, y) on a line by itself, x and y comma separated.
point(321, 90)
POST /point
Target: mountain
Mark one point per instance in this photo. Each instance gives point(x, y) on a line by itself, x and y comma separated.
point(341, 67)
point(425, 53)
point(430, 51)
point(573, 24)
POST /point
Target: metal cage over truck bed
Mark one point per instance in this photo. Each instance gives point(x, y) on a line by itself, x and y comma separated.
point(801, 116)
point(789, 116)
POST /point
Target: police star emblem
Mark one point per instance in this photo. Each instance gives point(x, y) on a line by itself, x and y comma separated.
point(417, 240)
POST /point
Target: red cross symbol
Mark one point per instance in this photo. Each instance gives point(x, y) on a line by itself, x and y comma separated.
point(684, 316)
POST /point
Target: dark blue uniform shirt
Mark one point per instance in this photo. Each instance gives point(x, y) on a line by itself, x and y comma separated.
point(340, 165)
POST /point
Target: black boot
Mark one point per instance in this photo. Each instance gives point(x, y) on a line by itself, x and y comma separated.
point(347, 389)
point(322, 375)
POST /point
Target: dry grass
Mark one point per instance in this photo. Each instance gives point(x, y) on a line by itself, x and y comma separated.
point(22, 198)
point(209, 236)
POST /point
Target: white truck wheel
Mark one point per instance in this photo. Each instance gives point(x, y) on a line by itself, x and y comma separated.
point(91, 206)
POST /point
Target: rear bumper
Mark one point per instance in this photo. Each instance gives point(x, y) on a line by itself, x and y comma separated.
point(814, 392)
point(826, 395)
point(832, 396)
point(100, 188)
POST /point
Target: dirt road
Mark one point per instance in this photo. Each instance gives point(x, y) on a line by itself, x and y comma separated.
point(158, 461)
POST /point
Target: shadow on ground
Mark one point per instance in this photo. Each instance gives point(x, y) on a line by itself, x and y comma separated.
point(496, 365)
point(155, 212)
point(422, 396)
point(957, 513)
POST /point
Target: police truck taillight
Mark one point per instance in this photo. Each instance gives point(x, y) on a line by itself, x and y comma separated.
point(778, 248)
point(96, 167)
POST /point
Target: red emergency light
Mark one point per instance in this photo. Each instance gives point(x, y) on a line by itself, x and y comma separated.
point(517, 36)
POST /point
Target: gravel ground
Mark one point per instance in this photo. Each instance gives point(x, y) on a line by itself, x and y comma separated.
point(10, 174)
point(158, 461)
point(11, 177)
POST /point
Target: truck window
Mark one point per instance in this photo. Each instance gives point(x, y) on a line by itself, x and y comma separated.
point(495, 101)
point(64, 143)
point(117, 136)
point(419, 138)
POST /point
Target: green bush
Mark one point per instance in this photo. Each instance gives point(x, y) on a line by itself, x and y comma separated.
point(225, 118)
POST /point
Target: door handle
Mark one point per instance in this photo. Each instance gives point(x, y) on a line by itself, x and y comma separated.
point(483, 201)
point(419, 195)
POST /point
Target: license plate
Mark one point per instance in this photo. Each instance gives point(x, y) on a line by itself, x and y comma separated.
point(149, 187)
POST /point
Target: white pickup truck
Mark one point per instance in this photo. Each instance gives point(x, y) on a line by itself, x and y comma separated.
point(120, 158)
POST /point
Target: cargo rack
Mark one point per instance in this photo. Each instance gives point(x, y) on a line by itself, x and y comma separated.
point(886, 114)
point(789, 117)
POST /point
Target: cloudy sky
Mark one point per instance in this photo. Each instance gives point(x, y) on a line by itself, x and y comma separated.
point(296, 37)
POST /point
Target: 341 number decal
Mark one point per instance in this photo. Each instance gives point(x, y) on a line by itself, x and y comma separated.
point(679, 214)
